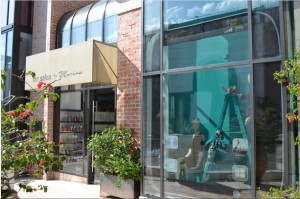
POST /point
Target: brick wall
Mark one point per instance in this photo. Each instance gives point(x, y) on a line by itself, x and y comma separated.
point(39, 27)
point(129, 71)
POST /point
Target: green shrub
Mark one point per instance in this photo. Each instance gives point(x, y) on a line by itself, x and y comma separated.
point(116, 153)
point(277, 193)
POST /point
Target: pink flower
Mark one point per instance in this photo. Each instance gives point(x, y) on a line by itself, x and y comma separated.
point(30, 166)
point(22, 114)
point(28, 112)
point(11, 114)
point(40, 84)
point(291, 118)
point(49, 85)
point(42, 161)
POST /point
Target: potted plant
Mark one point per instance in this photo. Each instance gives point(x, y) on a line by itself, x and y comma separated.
point(117, 156)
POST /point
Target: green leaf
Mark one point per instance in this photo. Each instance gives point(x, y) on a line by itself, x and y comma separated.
point(31, 73)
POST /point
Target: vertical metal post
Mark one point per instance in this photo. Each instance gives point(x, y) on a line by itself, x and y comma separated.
point(161, 101)
point(142, 99)
point(286, 137)
point(252, 103)
point(103, 21)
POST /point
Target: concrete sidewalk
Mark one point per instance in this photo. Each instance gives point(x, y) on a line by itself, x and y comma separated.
point(58, 189)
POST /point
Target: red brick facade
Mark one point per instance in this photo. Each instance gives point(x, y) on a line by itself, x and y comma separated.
point(129, 71)
point(46, 17)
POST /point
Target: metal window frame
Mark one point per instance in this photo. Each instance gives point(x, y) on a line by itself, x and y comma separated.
point(251, 62)
point(162, 119)
point(142, 99)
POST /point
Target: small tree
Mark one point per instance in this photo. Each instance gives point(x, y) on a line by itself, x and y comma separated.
point(24, 148)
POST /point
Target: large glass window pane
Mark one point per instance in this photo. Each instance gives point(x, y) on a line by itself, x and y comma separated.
point(111, 29)
point(268, 126)
point(94, 30)
point(78, 24)
point(11, 11)
point(151, 142)
point(110, 9)
point(25, 49)
point(97, 11)
point(207, 144)
point(71, 133)
point(111, 23)
point(296, 22)
point(266, 37)
point(78, 34)
point(8, 62)
point(199, 33)
point(151, 35)
point(4, 6)
point(63, 29)
point(3, 42)
point(81, 16)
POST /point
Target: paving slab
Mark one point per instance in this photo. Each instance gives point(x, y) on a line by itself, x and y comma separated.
point(58, 189)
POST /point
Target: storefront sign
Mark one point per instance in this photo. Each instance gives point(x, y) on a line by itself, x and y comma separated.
point(86, 62)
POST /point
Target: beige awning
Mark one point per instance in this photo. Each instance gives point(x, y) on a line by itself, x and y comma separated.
point(86, 62)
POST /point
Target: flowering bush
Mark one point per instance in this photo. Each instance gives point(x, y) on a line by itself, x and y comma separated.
point(23, 148)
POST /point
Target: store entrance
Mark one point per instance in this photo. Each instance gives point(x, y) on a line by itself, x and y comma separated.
point(102, 115)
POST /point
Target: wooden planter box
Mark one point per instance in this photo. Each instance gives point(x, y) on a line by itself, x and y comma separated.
point(129, 189)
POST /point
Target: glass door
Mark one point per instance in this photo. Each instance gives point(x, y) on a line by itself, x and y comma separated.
point(103, 115)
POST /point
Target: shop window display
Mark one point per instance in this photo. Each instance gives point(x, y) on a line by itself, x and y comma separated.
point(207, 130)
point(71, 133)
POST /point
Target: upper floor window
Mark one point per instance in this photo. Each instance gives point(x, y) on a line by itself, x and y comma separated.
point(95, 21)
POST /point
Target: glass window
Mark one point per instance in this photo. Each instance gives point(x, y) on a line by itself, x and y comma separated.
point(296, 22)
point(97, 11)
point(78, 34)
point(72, 135)
point(11, 11)
point(81, 16)
point(151, 110)
point(266, 37)
point(25, 49)
point(183, 13)
point(63, 29)
point(94, 30)
point(111, 29)
point(110, 9)
point(207, 144)
point(3, 42)
point(199, 33)
point(268, 126)
point(8, 62)
point(151, 35)
point(111, 23)
point(4, 7)
point(63, 39)
point(95, 21)
point(78, 24)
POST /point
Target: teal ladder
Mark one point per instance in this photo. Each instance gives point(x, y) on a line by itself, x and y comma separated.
point(216, 143)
